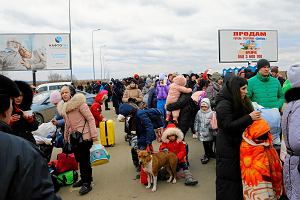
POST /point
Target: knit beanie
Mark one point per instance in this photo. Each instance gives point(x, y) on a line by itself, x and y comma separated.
point(261, 63)
point(216, 76)
point(55, 97)
point(293, 74)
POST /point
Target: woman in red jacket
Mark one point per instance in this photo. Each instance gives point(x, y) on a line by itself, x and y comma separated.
point(172, 142)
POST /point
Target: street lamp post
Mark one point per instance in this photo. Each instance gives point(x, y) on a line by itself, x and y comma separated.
point(101, 59)
point(93, 51)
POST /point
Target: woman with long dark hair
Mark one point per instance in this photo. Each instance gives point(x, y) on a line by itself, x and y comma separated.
point(234, 114)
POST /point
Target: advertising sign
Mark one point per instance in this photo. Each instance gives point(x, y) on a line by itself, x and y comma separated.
point(26, 52)
point(247, 45)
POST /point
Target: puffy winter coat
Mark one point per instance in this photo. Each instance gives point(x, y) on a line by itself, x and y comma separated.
point(188, 110)
point(78, 117)
point(23, 171)
point(152, 99)
point(291, 135)
point(231, 124)
point(202, 125)
point(96, 106)
point(132, 93)
point(266, 91)
point(146, 121)
point(178, 146)
point(162, 91)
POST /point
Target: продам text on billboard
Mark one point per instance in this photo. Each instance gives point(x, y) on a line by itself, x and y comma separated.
point(26, 52)
point(247, 45)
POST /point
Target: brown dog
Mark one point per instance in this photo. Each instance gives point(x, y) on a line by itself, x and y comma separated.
point(151, 163)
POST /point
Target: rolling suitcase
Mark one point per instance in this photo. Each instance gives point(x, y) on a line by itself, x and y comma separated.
point(107, 133)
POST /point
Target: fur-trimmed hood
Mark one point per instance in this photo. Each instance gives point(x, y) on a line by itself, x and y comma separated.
point(172, 131)
point(75, 102)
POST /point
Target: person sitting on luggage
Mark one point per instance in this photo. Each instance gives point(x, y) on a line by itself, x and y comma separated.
point(172, 142)
point(78, 117)
point(145, 122)
point(96, 107)
point(21, 122)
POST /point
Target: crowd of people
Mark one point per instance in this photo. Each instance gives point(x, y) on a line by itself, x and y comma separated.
point(219, 111)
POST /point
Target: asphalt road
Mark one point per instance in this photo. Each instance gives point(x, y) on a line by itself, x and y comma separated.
point(116, 180)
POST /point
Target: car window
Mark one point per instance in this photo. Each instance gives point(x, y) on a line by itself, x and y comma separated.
point(40, 97)
point(54, 87)
point(42, 89)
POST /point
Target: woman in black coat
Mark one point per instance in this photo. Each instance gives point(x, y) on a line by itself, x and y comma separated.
point(234, 114)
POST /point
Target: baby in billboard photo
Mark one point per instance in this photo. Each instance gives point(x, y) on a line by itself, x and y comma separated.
point(35, 60)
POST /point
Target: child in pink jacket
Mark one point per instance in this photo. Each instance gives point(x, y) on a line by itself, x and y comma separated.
point(176, 88)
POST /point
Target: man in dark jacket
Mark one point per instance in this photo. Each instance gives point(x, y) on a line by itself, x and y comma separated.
point(188, 111)
point(23, 170)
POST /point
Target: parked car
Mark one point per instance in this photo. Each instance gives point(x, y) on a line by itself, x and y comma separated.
point(44, 110)
point(51, 86)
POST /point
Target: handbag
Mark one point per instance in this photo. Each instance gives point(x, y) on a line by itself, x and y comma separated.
point(76, 137)
point(98, 155)
point(67, 148)
point(66, 162)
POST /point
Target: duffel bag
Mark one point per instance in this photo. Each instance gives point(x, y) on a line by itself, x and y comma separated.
point(66, 162)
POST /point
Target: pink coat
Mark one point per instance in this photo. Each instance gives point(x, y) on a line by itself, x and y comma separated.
point(75, 113)
point(176, 88)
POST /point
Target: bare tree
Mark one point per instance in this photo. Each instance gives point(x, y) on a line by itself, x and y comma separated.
point(54, 77)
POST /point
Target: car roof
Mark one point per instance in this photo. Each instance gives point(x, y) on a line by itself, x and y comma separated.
point(51, 84)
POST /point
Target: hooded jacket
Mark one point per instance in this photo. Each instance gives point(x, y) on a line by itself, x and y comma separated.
point(20, 162)
point(178, 146)
point(132, 93)
point(266, 91)
point(260, 165)
point(162, 91)
point(176, 88)
point(202, 122)
point(291, 134)
point(96, 106)
point(24, 127)
point(146, 121)
point(231, 124)
point(78, 117)
point(188, 110)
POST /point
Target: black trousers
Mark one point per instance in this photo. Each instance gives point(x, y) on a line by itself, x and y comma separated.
point(82, 155)
point(208, 148)
point(106, 103)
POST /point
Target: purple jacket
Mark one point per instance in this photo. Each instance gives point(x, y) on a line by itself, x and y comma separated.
point(162, 91)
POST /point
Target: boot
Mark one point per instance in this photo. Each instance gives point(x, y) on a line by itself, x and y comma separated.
point(86, 188)
point(77, 184)
point(189, 180)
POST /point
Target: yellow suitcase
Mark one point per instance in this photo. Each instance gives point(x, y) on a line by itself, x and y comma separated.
point(107, 133)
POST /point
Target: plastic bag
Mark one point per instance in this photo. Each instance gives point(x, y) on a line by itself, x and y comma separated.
point(45, 129)
point(273, 117)
point(98, 155)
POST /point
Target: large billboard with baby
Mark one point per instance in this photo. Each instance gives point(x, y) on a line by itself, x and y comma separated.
point(23, 52)
point(247, 45)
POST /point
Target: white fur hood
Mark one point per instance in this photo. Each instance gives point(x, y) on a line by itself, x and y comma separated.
point(172, 131)
point(75, 102)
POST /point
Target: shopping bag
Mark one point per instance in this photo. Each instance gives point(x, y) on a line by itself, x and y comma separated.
point(66, 162)
point(45, 129)
point(98, 155)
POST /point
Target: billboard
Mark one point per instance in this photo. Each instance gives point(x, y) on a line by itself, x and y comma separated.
point(247, 45)
point(26, 52)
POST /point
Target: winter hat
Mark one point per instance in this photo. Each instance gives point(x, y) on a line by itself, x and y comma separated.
point(216, 76)
point(261, 63)
point(55, 97)
point(125, 109)
point(180, 80)
point(209, 72)
point(162, 76)
point(198, 96)
point(136, 76)
point(293, 74)
point(205, 102)
point(171, 129)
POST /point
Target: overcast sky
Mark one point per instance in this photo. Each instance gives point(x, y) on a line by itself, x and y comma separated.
point(152, 36)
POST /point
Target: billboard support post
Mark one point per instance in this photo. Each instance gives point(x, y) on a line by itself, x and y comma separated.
point(34, 77)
